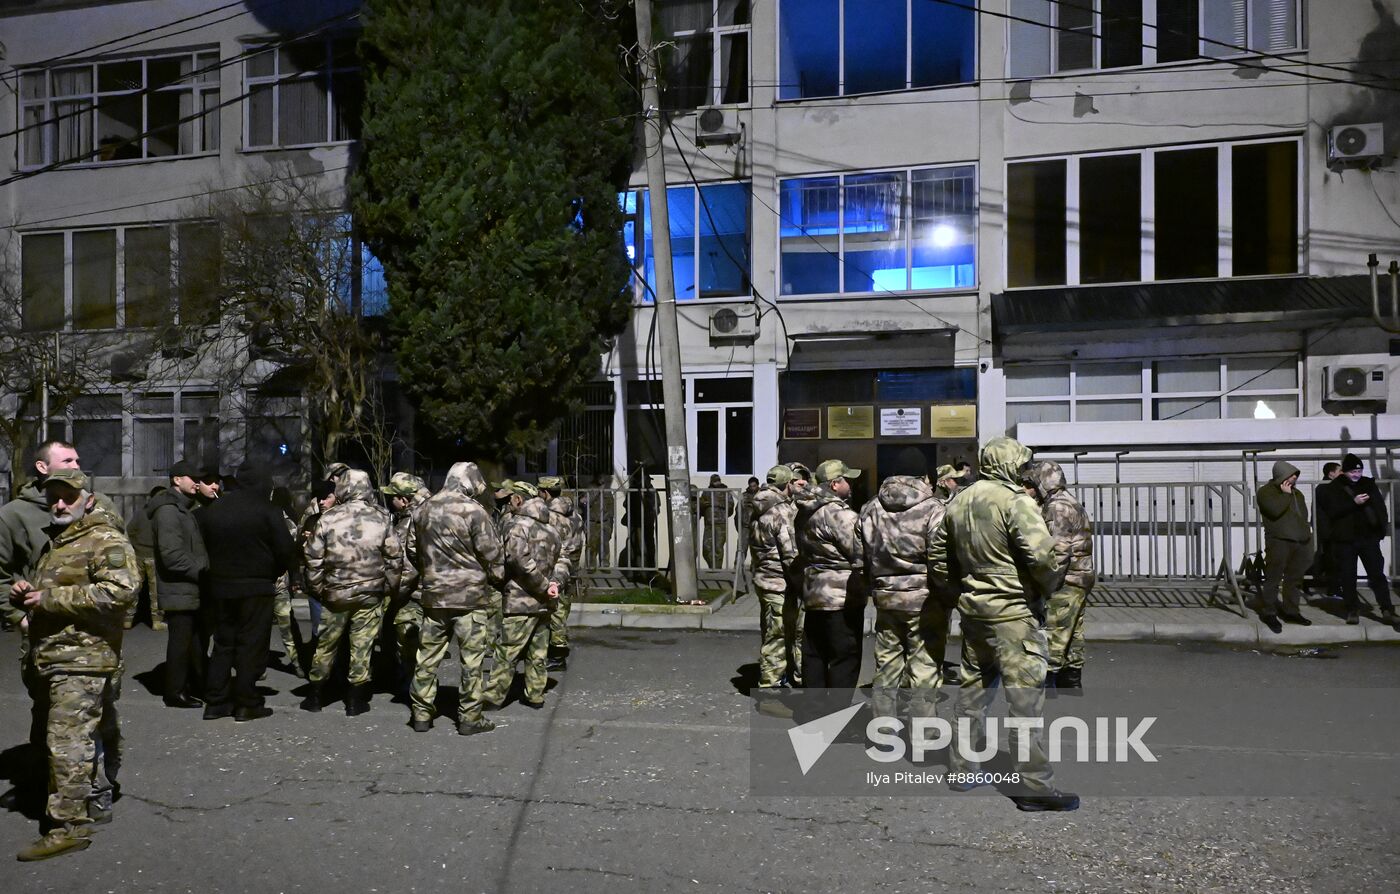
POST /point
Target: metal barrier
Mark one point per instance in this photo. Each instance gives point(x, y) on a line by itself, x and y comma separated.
point(1165, 532)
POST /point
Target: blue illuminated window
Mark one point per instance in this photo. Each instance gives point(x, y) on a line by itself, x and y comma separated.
point(891, 231)
point(709, 240)
point(849, 47)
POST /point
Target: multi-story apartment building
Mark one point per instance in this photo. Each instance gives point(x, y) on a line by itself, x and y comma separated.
point(1100, 225)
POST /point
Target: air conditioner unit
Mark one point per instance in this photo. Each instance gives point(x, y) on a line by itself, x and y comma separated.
point(726, 325)
point(176, 343)
point(1355, 143)
point(128, 366)
point(1355, 383)
point(718, 127)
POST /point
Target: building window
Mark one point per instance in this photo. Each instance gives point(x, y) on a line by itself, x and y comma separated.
point(303, 93)
point(120, 278)
point(94, 423)
point(1245, 387)
point(120, 109)
point(709, 240)
point(170, 426)
point(1049, 36)
point(849, 47)
point(1088, 220)
point(892, 231)
point(704, 54)
point(723, 425)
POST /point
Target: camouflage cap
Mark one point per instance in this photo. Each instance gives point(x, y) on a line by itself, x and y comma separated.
point(502, 488)
point(551, 482)
point(335, 470)
point(524, 488)
point(402, 484)
point(832, 469)
point(780, 475)
point(74, 478)
point(800, 471)
point(946, 472)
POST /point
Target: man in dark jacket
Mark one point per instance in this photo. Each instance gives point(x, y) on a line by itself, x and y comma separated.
point(1288, 549)
point(1356, 522)
point(249, 547)
point(179, 561)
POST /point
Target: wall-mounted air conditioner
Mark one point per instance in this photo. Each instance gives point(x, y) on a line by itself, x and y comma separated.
point(1355, 144)
point(718, 127)
point(1355, 383)
point(727, 326)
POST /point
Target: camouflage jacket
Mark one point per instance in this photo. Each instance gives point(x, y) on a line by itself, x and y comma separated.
point(456, 547)
point(715, 505)
point(88, 576)
point(403, 527)
point(569, 527)
point(993, 546)
point(1067, 521)
point(353, 559)
point(896, 526)
point(772, 538)
point(532, 554)
point(828, 541)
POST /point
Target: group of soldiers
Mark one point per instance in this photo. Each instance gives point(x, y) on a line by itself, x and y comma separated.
point(1011, 552)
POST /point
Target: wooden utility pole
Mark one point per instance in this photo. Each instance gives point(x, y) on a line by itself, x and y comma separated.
point(667, 332)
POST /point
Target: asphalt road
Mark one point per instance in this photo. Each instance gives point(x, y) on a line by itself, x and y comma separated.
point(635, 777)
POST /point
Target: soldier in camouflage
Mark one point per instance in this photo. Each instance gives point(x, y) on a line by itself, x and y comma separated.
point(772, 552)
point(715, 506)
point(1074, 546)
point(455, 548)
point(74, 604)
point(994, 551)
point(600, 508)
point(353, 561)
point(532, 554)
point(833, 595)
point(911, 631)
point(406, 493)
point(569, 527)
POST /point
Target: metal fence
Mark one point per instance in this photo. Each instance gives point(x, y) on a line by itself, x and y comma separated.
point(628, 531)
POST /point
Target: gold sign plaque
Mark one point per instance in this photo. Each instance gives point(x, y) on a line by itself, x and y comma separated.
point(850, 423)
point(954, 421)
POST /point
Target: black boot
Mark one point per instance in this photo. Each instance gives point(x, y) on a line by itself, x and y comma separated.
point(357, 701)
point(1070, 680)
point(312, 701)
point(1051, 800)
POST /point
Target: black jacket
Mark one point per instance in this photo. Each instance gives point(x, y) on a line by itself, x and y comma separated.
point(248, 544)
point(1346, 521)
point(179, 550)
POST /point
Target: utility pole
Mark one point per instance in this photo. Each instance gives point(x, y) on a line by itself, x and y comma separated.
point(667, 333)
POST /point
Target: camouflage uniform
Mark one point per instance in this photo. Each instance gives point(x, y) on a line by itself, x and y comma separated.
point(458, 557)
point(352, 560)
point(994, 549)
point(88, 576)
point(600, 507)
point(772, 551)
point(282, 614)
point(833, 559)
point(405, 608)
point(532, 554)
point(715, 508)
point(569, 527)
point(911, 630)
point(1074, 546)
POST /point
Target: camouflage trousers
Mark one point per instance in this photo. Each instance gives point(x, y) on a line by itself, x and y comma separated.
point(1012, 653)
point(475, 633)
point(559, 619)
point(286, 622)
point(793, 615)
point(713, 544)
point(75, 713)
point(522, 637)
point(363, 624)
point(773, 648)
point(1064, 627)
point(909, 650)
point(408, 627)
point(148, 577)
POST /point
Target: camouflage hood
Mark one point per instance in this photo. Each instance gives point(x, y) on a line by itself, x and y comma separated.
point(465, 478)
point(901, 492)
point(534, 508)
point(354, 486)
point(1001, 460)
point(766, 499)
point(1046, 475)
point(812, 499)
point(563, 506)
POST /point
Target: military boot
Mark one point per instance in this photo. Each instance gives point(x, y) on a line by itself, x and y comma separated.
point(1070, 680)
point(1051, 800)
point(58, 842)
point(357, 700)
point(472, 727)
point(312, 701)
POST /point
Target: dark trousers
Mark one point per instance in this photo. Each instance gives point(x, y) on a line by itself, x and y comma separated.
point(831, 646)
point(240, 646)
point(1285, 562)
point(183, 659)
point(1369, 552)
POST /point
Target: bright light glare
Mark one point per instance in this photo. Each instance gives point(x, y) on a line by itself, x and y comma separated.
point(1262, 411)
point(944, 236)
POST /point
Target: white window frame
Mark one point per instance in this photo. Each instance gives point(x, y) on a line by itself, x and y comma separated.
point(251, 49)
point(717, 33)
point(641, 297)
point(906, 210)
point(1148, 396)
point(1224, 210)
point(178, 417)
point(201, 58)
point(693, 409)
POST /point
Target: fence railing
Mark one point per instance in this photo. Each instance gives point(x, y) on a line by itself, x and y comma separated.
point(629, 530)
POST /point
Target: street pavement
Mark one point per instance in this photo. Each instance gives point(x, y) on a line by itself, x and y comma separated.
point(635, 777)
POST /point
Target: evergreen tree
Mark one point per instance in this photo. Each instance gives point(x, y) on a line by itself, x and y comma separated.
point(497, 135)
